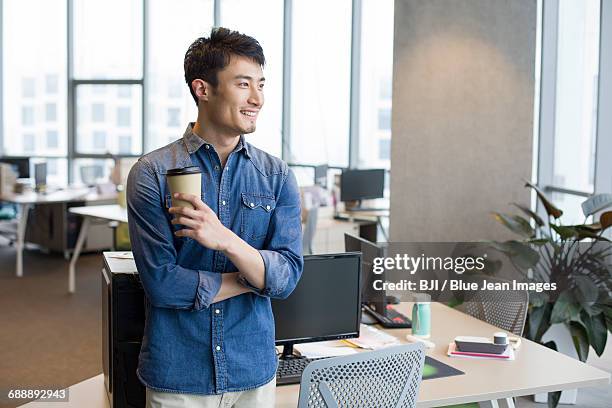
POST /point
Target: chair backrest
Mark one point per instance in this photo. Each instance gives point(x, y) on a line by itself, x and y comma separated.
point(387, 378)
point(506, 309)
point(309, 230)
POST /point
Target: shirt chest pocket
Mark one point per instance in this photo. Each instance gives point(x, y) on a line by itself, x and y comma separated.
point(256, 210)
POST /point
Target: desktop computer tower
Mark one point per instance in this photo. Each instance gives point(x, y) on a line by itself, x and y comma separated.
point(123, 317)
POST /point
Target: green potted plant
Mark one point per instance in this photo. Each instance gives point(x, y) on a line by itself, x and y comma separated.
point(577, 258)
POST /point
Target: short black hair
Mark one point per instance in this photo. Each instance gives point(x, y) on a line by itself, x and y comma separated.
point(207, 56)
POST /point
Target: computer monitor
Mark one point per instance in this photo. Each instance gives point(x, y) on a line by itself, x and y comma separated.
point(362, 184)
point(20, 164)
point(369, 251)
point(320, 175)
point(40, 176)
point(325, 304)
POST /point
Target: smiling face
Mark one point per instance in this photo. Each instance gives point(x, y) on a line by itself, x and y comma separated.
point(233, 106)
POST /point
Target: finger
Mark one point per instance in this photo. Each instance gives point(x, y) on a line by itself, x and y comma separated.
point(188, 222)
point(188, 212)
point(193, 199)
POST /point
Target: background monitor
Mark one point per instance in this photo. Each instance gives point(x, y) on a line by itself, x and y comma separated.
point(20, 164)
point(362, 184)
point(40, 174)
point(369, 251)
point(325, 304)
point(320, 175)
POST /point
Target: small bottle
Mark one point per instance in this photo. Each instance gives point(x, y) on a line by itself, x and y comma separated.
point(421, 316)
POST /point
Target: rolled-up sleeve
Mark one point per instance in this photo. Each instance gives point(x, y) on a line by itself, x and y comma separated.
point(282, 253)
point(165, 283)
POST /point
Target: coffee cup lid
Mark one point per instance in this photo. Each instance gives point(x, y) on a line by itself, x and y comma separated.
point(184, 170)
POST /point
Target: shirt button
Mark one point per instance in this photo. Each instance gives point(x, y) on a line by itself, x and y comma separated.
point(207, 147)
point(268, 207)
point(223, 202)
point(252, 205)
point(217, 168)
point(218, 348)
point(217, 311)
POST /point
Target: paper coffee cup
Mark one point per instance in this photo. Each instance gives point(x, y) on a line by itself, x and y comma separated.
point(187, 180)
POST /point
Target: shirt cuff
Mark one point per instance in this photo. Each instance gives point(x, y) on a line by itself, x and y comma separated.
point(208, 287)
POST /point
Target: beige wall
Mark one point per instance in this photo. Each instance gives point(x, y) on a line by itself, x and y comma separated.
point(463, 101)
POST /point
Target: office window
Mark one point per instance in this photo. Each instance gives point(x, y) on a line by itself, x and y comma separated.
point(173, 117)
point(29, 142)
point(51, 112)
point(124, 91)
point(27, 115)
point(28, 87)
point(320, 82)
point(384, 119)
point(99, 140)
point(97, 112)
point(108, 39)
point(375, 82)
point(172, 27)
point(384, 149)
point(576, 94)
point(121, 119)
point(33, 50)
point(125, 144)
point(52, 139)
point(265, 24)
point(51, 84)
point(123, 116)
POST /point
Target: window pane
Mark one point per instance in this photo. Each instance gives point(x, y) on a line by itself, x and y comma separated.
point(571, 206)
point(34, 82)
point(107, 120)
point(376, 83)
point(172, 27)
point(107, 39)
point(264, 22)
point(576, 100)
point(91, 171)
point(320, 82)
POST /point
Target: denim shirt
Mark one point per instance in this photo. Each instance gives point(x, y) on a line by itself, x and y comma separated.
point(190, 344)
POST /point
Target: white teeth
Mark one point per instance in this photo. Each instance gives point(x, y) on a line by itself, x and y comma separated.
point(252, 114)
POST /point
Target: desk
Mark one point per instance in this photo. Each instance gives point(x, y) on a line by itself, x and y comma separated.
point(536, 368)
point(376, 215)
point(28, 200)
point(105, 212)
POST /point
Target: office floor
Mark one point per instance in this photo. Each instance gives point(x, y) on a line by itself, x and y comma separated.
point(50, 338)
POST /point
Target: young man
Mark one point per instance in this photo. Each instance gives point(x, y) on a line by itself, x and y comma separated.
point(209, 272)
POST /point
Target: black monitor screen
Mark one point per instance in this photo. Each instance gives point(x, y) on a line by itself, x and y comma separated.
point(369, 251)
point(362, 184)
point(20, 164)
point(40, 174)
point(325, 304)
point(320, 175)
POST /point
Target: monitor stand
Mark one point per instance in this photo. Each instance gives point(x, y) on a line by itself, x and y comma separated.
point(288, 353)
point(367, 318)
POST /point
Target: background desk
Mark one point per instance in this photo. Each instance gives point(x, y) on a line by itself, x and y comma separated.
point(28, 200)
point(104, 212)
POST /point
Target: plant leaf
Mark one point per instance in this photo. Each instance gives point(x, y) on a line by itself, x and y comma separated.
point(565, 309)
point(550, 208)
point(538, 220)
point(597, 331)
point(606, 220)
point(553, 399)
point(539, 321)
point(516, 224)
point(538, 299)
point(580, 339)
point(596, 203)
point(586, 291)
point(564, 232)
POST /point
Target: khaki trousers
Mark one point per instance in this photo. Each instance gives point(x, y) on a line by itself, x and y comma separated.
point(260, 397)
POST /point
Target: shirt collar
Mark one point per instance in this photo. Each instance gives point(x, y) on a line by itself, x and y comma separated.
point(194, 142)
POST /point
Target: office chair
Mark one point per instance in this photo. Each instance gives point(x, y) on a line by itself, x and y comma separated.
point(309, 230)
point(503, 309)
point(387, 378)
